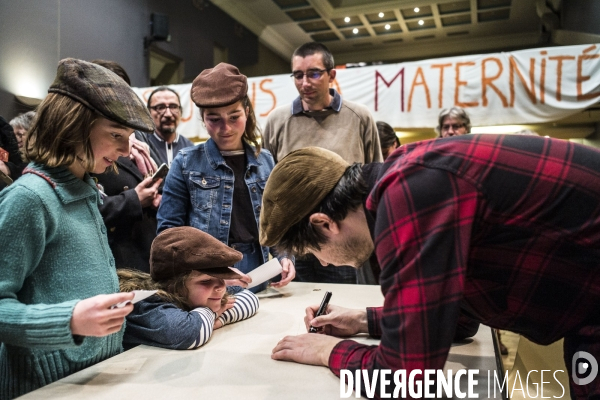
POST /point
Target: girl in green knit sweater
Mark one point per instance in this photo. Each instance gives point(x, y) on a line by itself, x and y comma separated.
point(57, 275)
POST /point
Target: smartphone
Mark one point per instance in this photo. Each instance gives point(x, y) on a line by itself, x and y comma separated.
point(5, 178)
point(161, 172)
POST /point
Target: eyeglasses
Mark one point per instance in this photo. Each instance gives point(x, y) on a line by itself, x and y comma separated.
point(312, 74)
point(161, 108)
point(454, 127)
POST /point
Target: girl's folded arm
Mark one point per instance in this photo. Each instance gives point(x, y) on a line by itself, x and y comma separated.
point(246, 305)
point(165, 325)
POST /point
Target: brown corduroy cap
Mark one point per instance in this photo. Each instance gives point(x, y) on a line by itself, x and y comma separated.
point(103, 91)
point(184, 248)
point(219, 86)
point(297, 184)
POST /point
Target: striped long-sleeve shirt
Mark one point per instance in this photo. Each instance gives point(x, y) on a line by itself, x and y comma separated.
point(155, 322)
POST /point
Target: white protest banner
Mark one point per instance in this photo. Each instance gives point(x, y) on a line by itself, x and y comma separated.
point(527, 86)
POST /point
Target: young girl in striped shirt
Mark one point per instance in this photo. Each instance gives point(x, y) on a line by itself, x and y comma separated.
point(188, 268)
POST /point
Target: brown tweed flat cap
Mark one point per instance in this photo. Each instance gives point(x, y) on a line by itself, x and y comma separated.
point(184, 248)
point(297, 184)
point(219, 86)
point(103, 91)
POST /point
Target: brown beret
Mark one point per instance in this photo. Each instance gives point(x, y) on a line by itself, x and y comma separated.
point(219, 86)
point(297, 184)
point(184, 248)
point(103, 91)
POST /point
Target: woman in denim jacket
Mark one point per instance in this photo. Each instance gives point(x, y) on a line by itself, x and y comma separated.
point(199, 189)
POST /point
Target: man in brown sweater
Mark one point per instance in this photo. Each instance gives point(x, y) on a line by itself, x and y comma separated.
point(319, 117)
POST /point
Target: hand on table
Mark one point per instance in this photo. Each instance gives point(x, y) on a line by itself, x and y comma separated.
point(94, 317)
point(287, 274)
point(337, 321)
point(305, 349)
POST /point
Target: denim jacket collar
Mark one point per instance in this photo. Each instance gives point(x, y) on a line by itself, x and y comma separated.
point(215, 159)
point(201, 189)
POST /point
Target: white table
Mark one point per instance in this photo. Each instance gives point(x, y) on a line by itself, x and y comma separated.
point(236, 362)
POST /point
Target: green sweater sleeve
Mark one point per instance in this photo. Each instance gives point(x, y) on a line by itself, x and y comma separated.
point(27, 226)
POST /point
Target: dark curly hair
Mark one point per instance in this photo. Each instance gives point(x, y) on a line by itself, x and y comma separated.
point(346, 196)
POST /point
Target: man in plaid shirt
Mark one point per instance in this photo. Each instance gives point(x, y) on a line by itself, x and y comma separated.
point(504, 229)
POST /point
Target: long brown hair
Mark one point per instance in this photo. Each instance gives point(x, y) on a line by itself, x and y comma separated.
point(251, 131)
point(60, 131)
point(172, 290)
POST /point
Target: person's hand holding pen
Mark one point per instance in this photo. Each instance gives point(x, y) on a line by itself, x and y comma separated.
point(337, 321)
point(316, 349)
point(320, 311)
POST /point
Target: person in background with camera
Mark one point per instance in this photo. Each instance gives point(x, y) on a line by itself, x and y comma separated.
point(130, 199)
point(217, 186)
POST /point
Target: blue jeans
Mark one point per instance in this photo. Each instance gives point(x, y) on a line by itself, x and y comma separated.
point(252, 259)
point(309, 269)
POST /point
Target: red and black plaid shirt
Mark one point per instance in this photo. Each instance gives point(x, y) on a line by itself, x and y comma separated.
point(502, 228)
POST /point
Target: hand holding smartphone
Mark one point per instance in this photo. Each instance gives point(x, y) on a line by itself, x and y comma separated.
point(5, 178)
point(160, 173)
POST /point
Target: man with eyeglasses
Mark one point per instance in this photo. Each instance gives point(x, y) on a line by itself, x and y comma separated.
point(165, 108)
point(453, 122)
point(319, 117)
